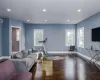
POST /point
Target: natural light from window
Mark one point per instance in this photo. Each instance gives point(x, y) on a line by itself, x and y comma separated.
point(17, 34)
point(80, 39)
point(38, 36)
point(70, 37)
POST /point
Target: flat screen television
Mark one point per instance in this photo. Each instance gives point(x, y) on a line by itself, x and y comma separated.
point(96, 34)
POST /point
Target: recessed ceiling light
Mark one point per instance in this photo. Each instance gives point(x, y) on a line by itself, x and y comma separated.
point(28, 20)
point(8, 10)
point(44, 10)
point(68, 20)
point(45, 20)
point(79, 10)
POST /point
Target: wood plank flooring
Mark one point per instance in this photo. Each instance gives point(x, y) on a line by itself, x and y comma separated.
point(70, 68)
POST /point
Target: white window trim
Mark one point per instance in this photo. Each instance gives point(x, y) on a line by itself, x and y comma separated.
point(66, 44)
point(82, 28)
point(35, 35)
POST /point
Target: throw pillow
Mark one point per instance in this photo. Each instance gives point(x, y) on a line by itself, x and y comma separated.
point(25, 53)
point(18, 55)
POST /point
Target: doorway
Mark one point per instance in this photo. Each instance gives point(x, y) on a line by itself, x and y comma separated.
point(15, 39)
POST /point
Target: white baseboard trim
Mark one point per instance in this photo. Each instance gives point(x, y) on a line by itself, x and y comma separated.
point(69, 52)
point(84, 56)
point(88, 58)
point(59, 52)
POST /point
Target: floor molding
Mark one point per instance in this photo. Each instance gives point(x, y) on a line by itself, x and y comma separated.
point(59, 52)
point(69, 52)
point(84, 56)
point(88, 58)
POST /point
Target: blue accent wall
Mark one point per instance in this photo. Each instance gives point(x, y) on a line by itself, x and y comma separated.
point(0, 38)
point(6, 35)
point(88, 24)
point(54, 32)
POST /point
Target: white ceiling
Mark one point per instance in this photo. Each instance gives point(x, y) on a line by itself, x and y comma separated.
point(58, 11)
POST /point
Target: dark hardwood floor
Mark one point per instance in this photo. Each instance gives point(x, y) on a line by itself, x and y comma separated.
point(70, 68)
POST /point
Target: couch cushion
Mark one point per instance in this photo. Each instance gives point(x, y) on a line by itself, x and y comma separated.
point(33, 56)
point(29, 61)
point(7, 70)
point(25, 53)
point(20, 65)
point(18, 55)
point(23, 76)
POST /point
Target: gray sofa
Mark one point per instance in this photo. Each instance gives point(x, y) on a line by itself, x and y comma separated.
point(23, 62)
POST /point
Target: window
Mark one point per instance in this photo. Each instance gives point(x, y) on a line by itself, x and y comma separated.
point(38, 36)
point(80, 37)
point(70, 37)
point(17, 34)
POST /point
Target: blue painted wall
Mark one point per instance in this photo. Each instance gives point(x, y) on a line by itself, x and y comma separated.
point(5, 37)
point(88, 24)
point(6, 30)
point(54, 32)
point(0, 38)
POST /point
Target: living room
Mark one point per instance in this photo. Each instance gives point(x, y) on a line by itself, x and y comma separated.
point(55, 40)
